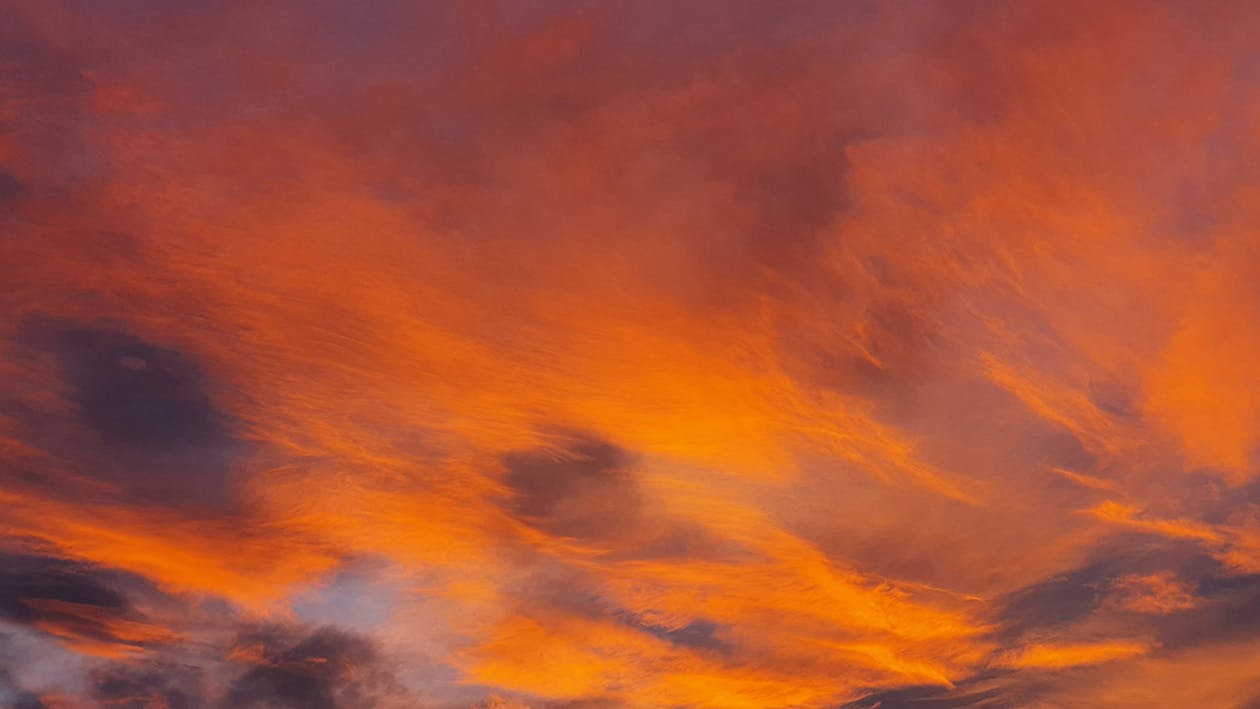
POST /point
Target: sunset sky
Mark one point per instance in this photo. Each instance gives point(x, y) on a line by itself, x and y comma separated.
point(696, 354)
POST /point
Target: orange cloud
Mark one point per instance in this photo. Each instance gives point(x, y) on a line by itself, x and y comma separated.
point(1055, 656)
point(1153, 593)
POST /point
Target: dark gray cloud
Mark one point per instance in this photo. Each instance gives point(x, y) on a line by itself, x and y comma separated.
point(699, 634)
point(1115, 397)
point(1076, 594)
point(935, 697)
point(12, 694)
point(135, 393)
point(327, 668)
point(70, 598)
point(126, 686)
point(585, 488)
point(10, 186)
point(1229, 610)
point(143, 425)
point(584, 491)
point(25, 578)
point(1061, 449)
point(1055, 602)
point(170, 686)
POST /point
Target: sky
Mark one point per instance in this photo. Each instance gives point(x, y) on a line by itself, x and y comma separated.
point(715, 354)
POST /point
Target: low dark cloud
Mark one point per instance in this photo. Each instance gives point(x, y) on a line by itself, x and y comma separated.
point(1076, 594)
point(25, 578)
point(699, 634)
point(935, 697)
point(1055, 602)
point(143, 418)
point(1224, 609)
point(1115, 397)
point(327, 668)
point(170, 686)
point(135, 393)
point(583, 491)
point(1229, 611)
point(10, 186)
point(74, 601)
point(12, 694)
point(1061, 449)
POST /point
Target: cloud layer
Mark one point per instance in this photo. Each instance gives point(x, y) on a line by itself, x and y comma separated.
point(629, 354)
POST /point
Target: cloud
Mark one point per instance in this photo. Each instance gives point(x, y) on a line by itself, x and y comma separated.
point(1054, 656)
point(140, 420)
point(147, 686)
point(582, 490)
point(78, 603)
point(10, 186)
point(983, 692)
point(134, 393)
point(1154, 593)
point(324, 669)
point(13, 695)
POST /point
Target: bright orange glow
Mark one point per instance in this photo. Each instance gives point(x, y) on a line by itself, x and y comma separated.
point(1059, 656)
